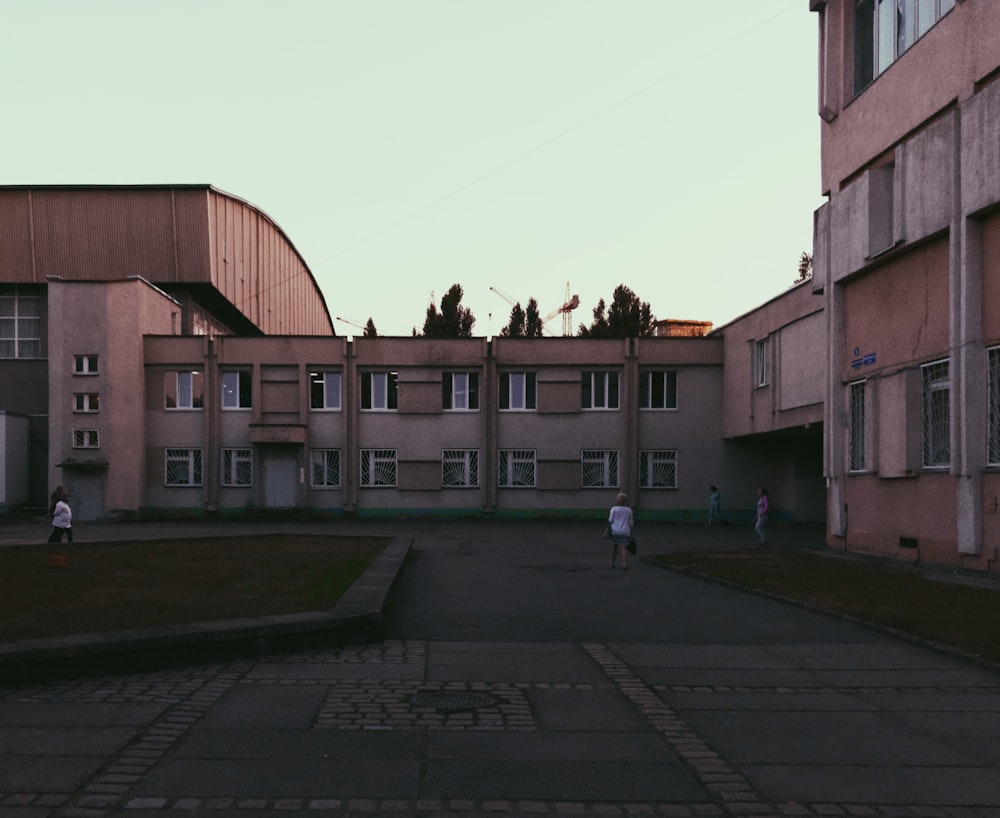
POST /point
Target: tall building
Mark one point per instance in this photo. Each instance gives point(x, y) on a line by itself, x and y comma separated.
point(907, 257)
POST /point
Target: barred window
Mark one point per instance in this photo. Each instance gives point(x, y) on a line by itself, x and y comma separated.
point(993, 432)
point(182, 467)
point(936, 414)
point(20, 326)
point(516, 468)
point(658, 389)
point(599, 468)
point(86, 439)
point(325, 468)
point(324, 390)
point(658, 469)
point(858, 460)
point(237, 467)
point(460, 468)
point(378, 468)
point(599, 390)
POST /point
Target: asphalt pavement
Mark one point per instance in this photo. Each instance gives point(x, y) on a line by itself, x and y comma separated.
point(515, 672)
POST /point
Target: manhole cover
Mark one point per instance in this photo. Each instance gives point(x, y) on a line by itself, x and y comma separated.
point(452, 700)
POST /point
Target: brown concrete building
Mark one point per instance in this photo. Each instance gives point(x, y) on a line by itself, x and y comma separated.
point(907, 257)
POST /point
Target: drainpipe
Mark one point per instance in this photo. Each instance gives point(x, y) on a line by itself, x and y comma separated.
point(212, 405)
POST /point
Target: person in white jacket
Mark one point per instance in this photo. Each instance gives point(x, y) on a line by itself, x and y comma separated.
point(620, 521)
point(62, 517)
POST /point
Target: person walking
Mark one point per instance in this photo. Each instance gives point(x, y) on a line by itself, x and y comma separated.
point(62, 516)
point(763, 510)
point(620, 521)
point(714, 506)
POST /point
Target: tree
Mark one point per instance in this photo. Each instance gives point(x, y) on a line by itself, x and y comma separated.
point(452, 321)
point(370, 331)
point(628, 317)
point(523, 323)
point(515, 326)
point(805, 267)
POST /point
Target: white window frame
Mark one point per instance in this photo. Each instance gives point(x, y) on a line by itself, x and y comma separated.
point(519, 390)
point(86, 403)
point(600, 390)
point(324, 464)
point(460, 391)
point(599, 469)
point(761, 362)
point(327, 384)
point(86, 365)
point(233, 393)
point(237, 467)
point(857, 443)
point(379, 391)
point(189, 461)
point(935, 380)
point(516, 469)
point(378, 468)
point(460, 468)
point(86, 439)
point(184, 390)
point(647, 389)
point(993, 403)
point(651, 462)
point(20, 325)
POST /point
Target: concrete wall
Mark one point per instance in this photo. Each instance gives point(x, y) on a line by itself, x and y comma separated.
point(14, 460)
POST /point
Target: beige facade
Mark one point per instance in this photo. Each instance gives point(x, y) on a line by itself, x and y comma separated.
point(905, 257)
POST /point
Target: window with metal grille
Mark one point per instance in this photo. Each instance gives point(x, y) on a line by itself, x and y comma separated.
point(236, 390)
point(86, 439)
point(599, 468)
point(325, 468)
point(516, 468)
point(858, 461)
point(993, 432)
point(378, 468)
point(20, 326)
point(237, 467)
point(658, 469)
point(378, 391)
point(324, 390)
point(183, 390)
point(936, 414)
point(460, 391)
point(599, 390)
point(182, 467)
point(658, 389)
point(517, 391)
point(86, 402)
point(460, 468)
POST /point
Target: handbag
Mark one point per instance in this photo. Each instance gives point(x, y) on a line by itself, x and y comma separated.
point(607, 532)
point(632, 546)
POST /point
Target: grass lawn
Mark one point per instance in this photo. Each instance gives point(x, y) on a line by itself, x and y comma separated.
point(122, 585)
point(963, 616)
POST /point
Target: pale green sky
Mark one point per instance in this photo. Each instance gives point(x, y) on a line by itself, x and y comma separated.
point(408, 146)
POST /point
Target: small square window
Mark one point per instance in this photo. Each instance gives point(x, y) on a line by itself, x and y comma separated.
point(518, 391)
point(460, 391)
point(86, 439)
point(658, 389)
point(85, 364)
point(599, 390)
point(183, 390)
point(86, 402)
point(378, 391)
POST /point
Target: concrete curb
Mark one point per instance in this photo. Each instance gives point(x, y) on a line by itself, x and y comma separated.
point(356, 619)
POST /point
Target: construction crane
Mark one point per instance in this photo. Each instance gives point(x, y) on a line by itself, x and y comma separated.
point(569, 304)
point(351, 323)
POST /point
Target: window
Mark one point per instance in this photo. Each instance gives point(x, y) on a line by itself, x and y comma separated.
point(885, 29)
point(761, 349)
point(378, 391)
point(460, 390)
point(516, 468)
point(599, 390)
point(84, 364)
point(86, 402)
point(325, 468)
point(658, 390)
point(20, 326)
point(936, 414)
point(378, 468)
point(517, 391)
point(857, 426)
point(182, 467)
point(993, 399)
point(658, 469)
point(183, 390)
point(86, 439)
point(236, 390)
point(599, 469)
point(324, 390)
point(237, 467)
point(460, 468)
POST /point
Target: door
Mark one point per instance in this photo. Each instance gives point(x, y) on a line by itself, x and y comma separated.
point(281, 476)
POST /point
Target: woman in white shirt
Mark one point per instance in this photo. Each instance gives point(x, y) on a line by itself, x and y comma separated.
point(62, 517)
point(620, 522)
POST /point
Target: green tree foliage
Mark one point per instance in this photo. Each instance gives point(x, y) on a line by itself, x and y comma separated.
point(452, 320)
point(628, 317)
point(515, 326)
point(523, 323)
point(370, 331)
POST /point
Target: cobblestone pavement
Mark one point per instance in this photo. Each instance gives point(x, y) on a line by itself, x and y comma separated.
point(527, 681)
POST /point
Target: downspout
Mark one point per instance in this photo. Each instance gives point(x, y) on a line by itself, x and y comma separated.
point(212, 406)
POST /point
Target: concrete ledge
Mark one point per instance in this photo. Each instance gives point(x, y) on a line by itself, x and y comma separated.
point(356, 619)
